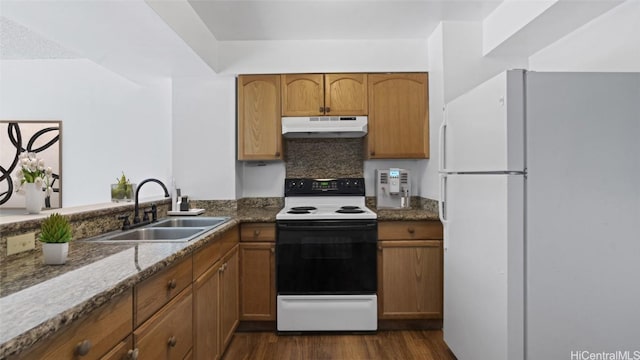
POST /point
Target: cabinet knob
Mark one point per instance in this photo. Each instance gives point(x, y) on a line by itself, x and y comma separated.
point(373, 153)
point(411, 230)
point(172, 284)
point(277, 153)
point(83, 348)
point(321, 109)
point(327, 109)
point(172, 341)
point(273, 250)
point(133, 354)
point(379, 248)
point(256, 233)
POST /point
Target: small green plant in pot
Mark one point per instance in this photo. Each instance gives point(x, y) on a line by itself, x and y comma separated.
point(55, 234)
point(123, 190)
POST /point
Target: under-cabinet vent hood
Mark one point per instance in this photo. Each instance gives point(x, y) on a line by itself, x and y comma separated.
point(324, 127)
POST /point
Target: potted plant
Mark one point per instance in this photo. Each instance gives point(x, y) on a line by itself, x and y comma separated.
point(30, 179)
point(123, 190)
point(55, 234)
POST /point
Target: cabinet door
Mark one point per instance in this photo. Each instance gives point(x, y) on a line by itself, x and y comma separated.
point(410, 279)
point(206, 314)
point(398, 116)
point(169, 333)
point(259, 129)
point(257, 281)
point(229, 307)
point(302, 94)
point(345, 94)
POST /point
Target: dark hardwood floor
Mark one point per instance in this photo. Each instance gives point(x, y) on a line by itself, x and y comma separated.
point(405, 345)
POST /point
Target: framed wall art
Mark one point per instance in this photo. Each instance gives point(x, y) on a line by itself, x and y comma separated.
point(44, 140)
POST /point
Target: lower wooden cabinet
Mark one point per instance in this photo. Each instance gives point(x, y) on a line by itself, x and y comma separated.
point(168, 334)
point(206, 314)
point(93, 338)
point(410, 271)
point(229, 298)
point(216, 307)
point(257, 272)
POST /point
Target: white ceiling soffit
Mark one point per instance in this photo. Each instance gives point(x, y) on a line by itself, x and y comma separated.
point(17, 42)
point(521, 28)
point(334, 20)
point(126, 37)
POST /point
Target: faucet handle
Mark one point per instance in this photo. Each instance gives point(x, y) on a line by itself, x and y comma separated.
point(125, 224)
point(154, 212)
point(146, 214)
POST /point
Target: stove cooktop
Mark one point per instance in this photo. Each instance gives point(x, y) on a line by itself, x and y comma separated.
point(313, 208)
point(324, 199)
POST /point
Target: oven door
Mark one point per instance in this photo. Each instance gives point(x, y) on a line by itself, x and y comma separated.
point(326, 257)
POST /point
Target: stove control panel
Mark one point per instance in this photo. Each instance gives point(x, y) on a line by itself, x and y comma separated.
point(323, 187)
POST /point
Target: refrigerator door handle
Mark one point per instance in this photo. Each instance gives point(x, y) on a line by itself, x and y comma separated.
point(441, 136)
point(443, 191)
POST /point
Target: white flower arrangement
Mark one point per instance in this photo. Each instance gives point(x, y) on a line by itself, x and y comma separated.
point(32, 170)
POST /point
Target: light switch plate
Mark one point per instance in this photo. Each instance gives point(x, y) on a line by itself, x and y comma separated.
point(20, 243)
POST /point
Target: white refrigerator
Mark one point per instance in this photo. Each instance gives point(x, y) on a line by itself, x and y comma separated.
point(540, 201)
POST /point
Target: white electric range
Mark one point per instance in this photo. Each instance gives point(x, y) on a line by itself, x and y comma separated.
point(326, 257)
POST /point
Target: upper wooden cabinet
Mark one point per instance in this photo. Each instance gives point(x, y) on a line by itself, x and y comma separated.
point(324, 94)
point(259, 129)
point(398, 116)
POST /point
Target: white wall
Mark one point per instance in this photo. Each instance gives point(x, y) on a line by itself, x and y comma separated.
point(109, 124)
point(204, 137)
point(253, 57)
point(610, 42)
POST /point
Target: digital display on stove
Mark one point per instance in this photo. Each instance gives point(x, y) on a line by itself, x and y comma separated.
point(394, 173)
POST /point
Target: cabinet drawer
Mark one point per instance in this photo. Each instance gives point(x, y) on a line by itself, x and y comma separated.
point(95, 335)
point(169, 333)
point(258, 232)
point(157, 290)
point(211, 253)
point(124, 350)
point(406, 230)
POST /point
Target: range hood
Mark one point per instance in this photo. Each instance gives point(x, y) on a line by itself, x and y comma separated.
point(324, 127)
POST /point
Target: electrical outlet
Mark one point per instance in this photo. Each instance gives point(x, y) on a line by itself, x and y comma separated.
point(20, 243)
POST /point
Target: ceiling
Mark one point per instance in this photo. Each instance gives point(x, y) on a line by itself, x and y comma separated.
point(334, 20)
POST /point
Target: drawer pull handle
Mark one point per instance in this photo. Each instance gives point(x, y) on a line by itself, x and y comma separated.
point(411, 230)
point(133, 354)
point(83, 348)
point(256, 233)
point(172, 284)
point(172, 341)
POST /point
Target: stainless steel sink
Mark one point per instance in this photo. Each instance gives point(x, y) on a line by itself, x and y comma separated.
point(168, 230)
point(160, 234)
point(189, 222)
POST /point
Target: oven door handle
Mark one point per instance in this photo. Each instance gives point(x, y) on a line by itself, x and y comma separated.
point(327, 227)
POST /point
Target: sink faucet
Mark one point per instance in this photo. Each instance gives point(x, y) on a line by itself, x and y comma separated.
point(136, 217)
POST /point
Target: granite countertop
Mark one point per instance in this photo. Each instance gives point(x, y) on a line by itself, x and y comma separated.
point(36, 300)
